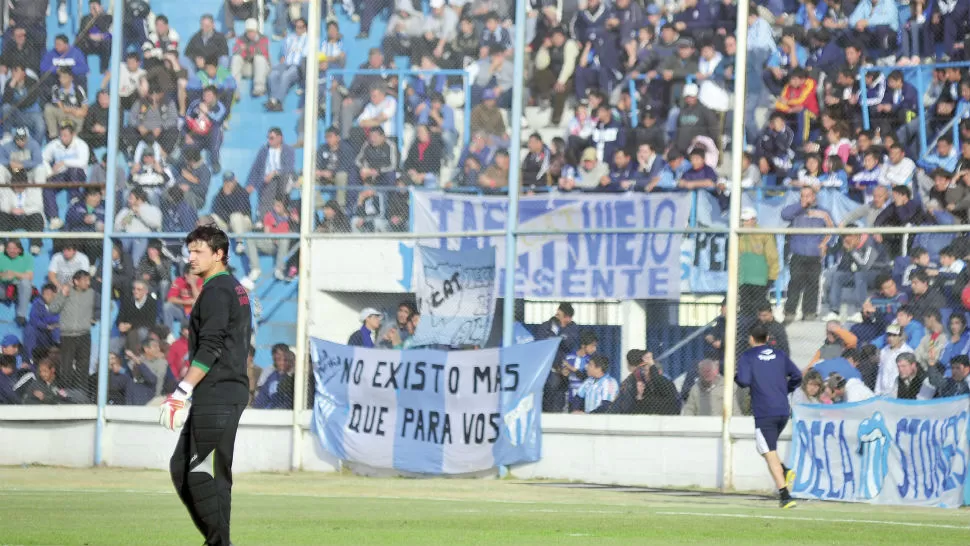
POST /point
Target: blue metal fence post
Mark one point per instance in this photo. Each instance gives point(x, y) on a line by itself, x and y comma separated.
point(863, 97)
point(399, 122)
point(114, 137)
point(512, 218)
point(467, 122)
point(634, 111)
point(328, 110)
point(693, 209)
point(921, 109)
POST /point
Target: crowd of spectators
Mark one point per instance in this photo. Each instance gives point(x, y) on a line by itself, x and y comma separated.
point(803, 125)
point(177, 99)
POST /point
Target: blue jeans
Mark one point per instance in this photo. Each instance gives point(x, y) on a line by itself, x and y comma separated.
point(136, 248)
point(33, 121)
point(211, 143)
point(24, 290)
point(281, 79)
point(860, 288)
point(912, 41)
point(68, 175)
point(172, 314)
point(448, 142)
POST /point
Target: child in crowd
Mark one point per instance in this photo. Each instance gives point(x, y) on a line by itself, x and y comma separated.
point(574, 367)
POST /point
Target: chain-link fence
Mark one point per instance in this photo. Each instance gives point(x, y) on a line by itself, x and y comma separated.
point(621, 237)
point(854, 301)
point(50, 304)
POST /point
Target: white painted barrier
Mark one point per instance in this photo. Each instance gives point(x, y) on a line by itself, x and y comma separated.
point(651, 451)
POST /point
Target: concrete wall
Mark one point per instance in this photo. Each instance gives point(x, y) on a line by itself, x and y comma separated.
point(653, 451)
point(616, 449)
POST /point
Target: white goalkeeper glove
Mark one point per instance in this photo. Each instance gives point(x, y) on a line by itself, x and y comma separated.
point(175, 409)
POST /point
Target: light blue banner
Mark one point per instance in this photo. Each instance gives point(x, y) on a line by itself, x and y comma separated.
point(456, 295)
point(431, 412)
point(703, 257)
point(883, 451)
point(576, 264)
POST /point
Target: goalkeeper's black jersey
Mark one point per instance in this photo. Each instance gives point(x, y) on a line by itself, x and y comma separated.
point(220, 331)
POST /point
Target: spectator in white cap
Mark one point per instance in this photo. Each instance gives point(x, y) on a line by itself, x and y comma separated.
point(692, 120)
point(758, 265)
point(21, 153)
point(888, 369)
point(250, 58)
point(371, 324)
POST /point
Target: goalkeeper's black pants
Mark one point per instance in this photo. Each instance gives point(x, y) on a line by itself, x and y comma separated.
point(202, 468)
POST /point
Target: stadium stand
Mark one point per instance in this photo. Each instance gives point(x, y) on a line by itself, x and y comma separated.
point(858, 113)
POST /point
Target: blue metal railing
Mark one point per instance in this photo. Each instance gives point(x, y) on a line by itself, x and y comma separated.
point(403, 77)
point(920, 99)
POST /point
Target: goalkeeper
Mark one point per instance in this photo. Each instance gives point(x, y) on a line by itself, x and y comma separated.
point(211, 398)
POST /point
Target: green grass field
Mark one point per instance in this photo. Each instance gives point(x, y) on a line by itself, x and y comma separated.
point(106, 507)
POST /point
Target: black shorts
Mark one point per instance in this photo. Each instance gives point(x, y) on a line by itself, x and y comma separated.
point(207, 441)
point(766, 432)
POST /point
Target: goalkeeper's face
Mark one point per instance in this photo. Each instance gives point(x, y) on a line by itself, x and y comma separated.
point(202, 260)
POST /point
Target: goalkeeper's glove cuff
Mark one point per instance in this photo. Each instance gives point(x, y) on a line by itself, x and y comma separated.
point(183, 391)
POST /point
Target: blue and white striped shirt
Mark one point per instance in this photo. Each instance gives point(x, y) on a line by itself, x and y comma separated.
point(332, 49)
point(296, 49)
point(597, 391)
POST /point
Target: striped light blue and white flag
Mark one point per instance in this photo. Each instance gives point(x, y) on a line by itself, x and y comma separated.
point(456, 294)
point(883, 451)
point(433, 412)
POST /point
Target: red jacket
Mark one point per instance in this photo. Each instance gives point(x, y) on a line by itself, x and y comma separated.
point(804, 96)
point(178, 357)
point(249, 49)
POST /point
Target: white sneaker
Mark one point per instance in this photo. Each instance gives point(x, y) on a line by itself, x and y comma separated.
point(831, 316)
point(525, 123)
point(857, 318)
point(56, 223)
point(240, 247)
point(280, 274)
point(254, 274)
point(888, 60)
point(248, 284)
point(62, 14)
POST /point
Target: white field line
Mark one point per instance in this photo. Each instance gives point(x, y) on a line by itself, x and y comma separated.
point(817, 520)
point(626, 508)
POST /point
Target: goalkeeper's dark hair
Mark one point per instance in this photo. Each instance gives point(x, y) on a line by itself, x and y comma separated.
point(213, 237)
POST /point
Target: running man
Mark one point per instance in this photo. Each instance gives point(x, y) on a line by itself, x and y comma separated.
point(772, 376)
point(211, 398)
